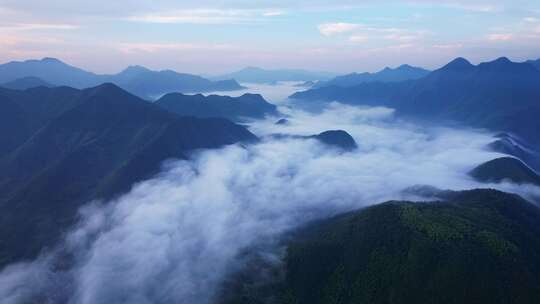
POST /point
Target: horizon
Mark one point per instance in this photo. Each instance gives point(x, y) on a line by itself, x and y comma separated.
point(273, 69)
point(211, 37)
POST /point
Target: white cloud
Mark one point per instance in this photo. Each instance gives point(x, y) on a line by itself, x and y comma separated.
point(531, 20)
point(500, 37)
point(330, 29)
point(171, 238)
point(157, 47)
point(274, 13)
point(359, 38)
point(201, 16)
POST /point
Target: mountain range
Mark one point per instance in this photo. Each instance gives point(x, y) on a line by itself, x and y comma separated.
point(258, 75)
point(500, 95)
point(138, 80)
point(247, 106)
point(64, 147)
point(401, 73)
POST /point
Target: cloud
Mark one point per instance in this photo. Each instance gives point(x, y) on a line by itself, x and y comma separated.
point(178, 236)
point(500, 37)
point(274, 13)
point(359, 38)
point(200, 16)
point(159, 47)
point(330, 29)
point(476, 7)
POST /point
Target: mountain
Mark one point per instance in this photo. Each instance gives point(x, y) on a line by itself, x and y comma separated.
point(137, 80)
point(500, 95)
point(233, 108)
point(479, 246)
point(401, 73)
point(337, 138)
point(82, 145)
point(258, 75)
point(50, 70)
point(150, 84)
point(26, 83)
point(510, 145)
point(505, 169)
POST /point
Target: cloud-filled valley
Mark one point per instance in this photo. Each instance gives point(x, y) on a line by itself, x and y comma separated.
point(176, 237)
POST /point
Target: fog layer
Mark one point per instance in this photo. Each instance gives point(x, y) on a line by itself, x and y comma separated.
point(176, 237)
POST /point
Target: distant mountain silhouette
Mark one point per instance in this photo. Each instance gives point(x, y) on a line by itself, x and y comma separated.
point(500, 95)
point(401, 73)
point(505, 169)
point(80, 145)
point(150, 84)
point(50, 70)
point(26, 83)
point(233, 108)
point(258, 75)
point(137, 80)
point(478, 246)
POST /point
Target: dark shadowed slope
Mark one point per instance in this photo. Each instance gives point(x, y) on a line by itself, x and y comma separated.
point(401, 73)
point(480, 246)
point(505, 169)
point(501, 95)
point(233, 108)
point(138, 80)
point(536, 63)
point(258, 75)
point(26, 83)
point(103, 141)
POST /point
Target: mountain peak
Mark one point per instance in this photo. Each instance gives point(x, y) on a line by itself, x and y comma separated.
point(107, 88)
point(458, 64)
point(135, 69)
point(51, 60)
point(502, 60)
point(404, 67)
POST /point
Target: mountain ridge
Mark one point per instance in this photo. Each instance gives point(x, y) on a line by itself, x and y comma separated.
point(138, 80)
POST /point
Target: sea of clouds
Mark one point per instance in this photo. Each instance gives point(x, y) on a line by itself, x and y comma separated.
point(176, 237)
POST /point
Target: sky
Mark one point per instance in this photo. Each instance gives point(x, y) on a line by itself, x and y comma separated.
point(213, 37)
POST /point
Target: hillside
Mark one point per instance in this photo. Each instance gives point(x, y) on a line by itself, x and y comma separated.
point(26, 83)
point(505, 169)
point(480, 246)
point(97, 143)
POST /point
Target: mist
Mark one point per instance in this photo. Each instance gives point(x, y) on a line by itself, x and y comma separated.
point(176, 237)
